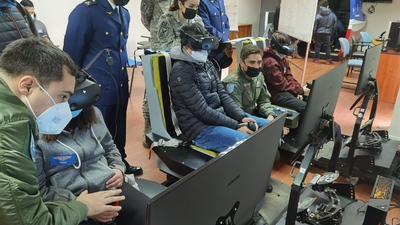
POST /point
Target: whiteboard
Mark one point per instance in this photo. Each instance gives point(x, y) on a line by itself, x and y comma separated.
point(232, 10)
point(296, 18)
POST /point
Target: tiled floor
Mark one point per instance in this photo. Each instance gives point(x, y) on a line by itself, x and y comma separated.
point(138, 155)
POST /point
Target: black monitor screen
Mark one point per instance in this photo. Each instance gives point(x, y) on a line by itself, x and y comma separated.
point(368, 68)
point(394, 35)
point(323, 97)
point(226, 189)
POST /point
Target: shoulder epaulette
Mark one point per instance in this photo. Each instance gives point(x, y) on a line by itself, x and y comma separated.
point(90, 3)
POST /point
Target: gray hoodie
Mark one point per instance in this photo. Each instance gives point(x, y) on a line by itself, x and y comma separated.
point(63, 175)
point(325, 22)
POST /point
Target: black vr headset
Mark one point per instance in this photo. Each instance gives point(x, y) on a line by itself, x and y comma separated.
point(203, 41)
point(283, 48)
point(87, 91)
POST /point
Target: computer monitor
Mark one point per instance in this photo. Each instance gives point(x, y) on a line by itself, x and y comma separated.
point(226, 189)
point(394, 35)
point(322, 99)
point(368, 68)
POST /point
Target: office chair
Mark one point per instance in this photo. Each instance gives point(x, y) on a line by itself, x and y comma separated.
point(345, 47)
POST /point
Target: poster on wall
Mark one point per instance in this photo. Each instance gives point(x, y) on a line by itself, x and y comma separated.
point(232, 11)
point(296, 18)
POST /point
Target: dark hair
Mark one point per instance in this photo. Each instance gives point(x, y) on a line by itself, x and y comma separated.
point(323, 3)
point(248, 50)
point(27, 3)
point(82, 122)
point(36, 57)
point(281, 38)
point(174, 6)
point(191, 29)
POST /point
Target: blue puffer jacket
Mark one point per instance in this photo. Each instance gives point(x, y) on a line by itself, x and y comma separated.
point(325, 22)
point(199, 99)
point(13, 25)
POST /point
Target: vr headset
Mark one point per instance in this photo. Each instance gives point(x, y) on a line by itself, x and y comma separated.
point(203, 41)
point(283, 48)
point(87, 91)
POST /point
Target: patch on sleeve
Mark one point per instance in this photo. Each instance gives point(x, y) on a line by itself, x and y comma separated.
point(230, 87)
point(163, 30)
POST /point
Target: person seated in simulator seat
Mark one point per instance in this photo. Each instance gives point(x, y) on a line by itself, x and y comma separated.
point(285, 90)
point(206, 113)
point(84, 157)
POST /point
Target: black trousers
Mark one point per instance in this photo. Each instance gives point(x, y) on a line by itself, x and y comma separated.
point(325, 41)
point(133, 210)
point(115, 119)
point(287, 100)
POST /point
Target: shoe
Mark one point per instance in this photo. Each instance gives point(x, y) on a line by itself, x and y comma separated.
point(329, 62)
point(135, 170)
point(316, 60)
point(270, 188)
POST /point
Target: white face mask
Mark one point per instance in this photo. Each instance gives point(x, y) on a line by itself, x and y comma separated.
point(200, 56)
point(54, 119)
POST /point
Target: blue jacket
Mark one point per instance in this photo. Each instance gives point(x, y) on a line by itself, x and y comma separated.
point(94, 26)
point(214, 17)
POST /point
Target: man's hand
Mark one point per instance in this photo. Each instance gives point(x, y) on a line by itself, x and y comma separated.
point(243, 128)
point(105, 217)
point(306, 91)
point(270, 118)
point(116, 181)
point(98, 202)
point(246, 120)
point(228, 49)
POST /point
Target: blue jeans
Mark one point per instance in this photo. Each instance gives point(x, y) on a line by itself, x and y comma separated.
point(219, 138)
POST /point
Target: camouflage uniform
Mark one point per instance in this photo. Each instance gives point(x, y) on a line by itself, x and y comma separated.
point(250, 95)
point(166, 34)
point(151, 11)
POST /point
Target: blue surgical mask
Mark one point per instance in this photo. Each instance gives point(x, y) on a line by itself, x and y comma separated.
point(54, 119)
point(200, 56)
point(75, 113)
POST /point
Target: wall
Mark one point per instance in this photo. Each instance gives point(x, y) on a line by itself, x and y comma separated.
point(384, 12)
point(54, 14)
point(266, 5)
point(249, 11)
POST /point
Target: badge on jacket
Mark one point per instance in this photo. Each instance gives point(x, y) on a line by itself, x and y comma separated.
point(230, 87)
point(247, 86)
point(62, 160)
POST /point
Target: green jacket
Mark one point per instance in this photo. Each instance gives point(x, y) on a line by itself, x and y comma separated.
point(250, 94)
point(20, 201)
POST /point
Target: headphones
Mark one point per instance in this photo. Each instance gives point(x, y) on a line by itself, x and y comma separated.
point(283, 48)
point(203, 41)
point(87, 91)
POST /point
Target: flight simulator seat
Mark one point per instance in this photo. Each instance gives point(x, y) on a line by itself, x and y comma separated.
point(176, 158)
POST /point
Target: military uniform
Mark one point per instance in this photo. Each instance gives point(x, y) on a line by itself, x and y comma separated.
point(151, 11)
point(214, 17)
point(94, 26)
point(250, 94)
point(166, 34)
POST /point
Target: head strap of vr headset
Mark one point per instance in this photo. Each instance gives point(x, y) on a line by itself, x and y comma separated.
point(283, 48)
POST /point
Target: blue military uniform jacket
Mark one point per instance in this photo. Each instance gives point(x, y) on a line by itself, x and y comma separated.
point(214, 17)
point(94, 26)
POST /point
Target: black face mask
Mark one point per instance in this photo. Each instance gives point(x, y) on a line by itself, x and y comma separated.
point(189, 13)
point(253, 72)
point(121, 2)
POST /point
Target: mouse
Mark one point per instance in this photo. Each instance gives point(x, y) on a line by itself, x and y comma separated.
point(251, 126)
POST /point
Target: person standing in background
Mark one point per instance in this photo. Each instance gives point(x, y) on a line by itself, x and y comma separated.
point(97, 33)
point(216, 22)
point(40, 27)
point(324, 28)
point(166, 32)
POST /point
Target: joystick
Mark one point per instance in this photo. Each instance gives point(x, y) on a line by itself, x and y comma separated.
point(251, 126)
